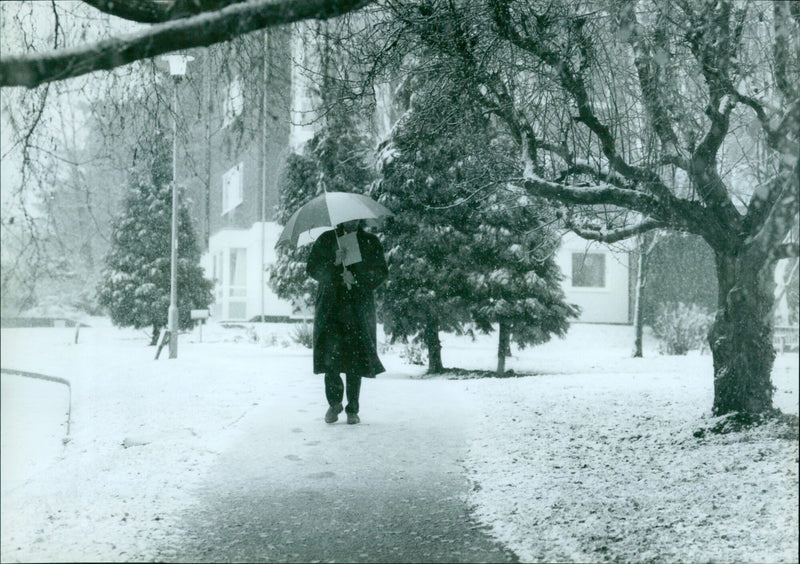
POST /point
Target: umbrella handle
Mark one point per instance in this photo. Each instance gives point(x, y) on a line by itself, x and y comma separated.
point(344, 268)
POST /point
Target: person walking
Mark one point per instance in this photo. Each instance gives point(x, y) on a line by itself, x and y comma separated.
point(344, 338)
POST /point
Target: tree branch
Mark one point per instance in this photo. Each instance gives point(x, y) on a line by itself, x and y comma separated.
point(676, 161)
point(197, 31)
point(679, 214)
point(157, 11)
point(573, 83)
point(592, 195)
point(783, 68)
point(713, 46)
point(648, 71)
point(702, 169)
point(779, 138)
point(616, 235)
point(775, 221)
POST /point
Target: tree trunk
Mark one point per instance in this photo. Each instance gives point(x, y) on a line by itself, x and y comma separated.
point(155, 335)
point(503, 348)
point(434, 346)
point(741, 336)
point(645, 245)
point(637, 308)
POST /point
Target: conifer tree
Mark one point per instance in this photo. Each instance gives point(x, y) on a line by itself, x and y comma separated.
point(462, 247)
point(518, 287)
point(135, 284)
point(288, 278)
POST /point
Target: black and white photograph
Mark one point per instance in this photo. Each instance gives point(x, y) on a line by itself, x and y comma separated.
point(400, 281)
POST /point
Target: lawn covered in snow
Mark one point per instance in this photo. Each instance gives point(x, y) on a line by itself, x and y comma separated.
point(594, 456)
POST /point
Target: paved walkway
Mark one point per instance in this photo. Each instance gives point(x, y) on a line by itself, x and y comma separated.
point(391, 489)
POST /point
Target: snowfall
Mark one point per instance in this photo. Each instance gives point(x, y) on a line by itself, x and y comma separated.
point(587, 454)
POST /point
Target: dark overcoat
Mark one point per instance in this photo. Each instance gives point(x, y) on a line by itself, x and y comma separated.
point(344, 319)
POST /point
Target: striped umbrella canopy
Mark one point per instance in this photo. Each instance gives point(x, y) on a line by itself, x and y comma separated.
point(325, 212)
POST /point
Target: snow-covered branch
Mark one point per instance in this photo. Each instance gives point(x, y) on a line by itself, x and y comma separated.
point(581, 166)
point(196, 31)
point(591, 195)
point(615, 235)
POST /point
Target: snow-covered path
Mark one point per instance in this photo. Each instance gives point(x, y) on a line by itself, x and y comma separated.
point(163, 454)
point(595, 457)
point(392, 489)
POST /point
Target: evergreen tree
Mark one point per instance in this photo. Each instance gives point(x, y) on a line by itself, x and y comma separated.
point(424, 240)
point(463, 248)
point(135, 286)
point(518, 287)
point(288, 278)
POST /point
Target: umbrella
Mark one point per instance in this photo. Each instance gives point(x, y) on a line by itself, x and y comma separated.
point(326, 211)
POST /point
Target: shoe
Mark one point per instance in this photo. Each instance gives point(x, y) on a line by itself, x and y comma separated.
point(332, 415)
point(353, 418)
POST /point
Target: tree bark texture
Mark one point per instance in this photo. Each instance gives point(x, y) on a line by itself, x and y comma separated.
point(434, 346)
point(637, 308)
point(154, 335)
point(741, 336)
point(503, 348)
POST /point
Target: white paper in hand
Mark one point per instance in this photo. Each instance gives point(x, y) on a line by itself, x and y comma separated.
point(349, 242)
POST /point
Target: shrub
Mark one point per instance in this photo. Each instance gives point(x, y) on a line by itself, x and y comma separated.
point(414, 353)
point(681, 328)
point(252, 335)
point(303, 334)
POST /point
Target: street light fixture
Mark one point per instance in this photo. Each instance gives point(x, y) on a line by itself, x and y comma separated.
point(177, 68)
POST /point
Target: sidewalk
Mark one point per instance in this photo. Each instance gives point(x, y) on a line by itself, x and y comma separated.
point(391, 489)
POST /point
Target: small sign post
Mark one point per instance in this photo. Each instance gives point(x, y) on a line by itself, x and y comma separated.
point(202, 315)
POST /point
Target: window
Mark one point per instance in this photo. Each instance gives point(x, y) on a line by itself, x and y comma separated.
point(234, 102)
point(588, 270)
point(237, 274)
point(232, 188)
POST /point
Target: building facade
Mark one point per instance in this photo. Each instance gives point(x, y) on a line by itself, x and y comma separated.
point(598, 278)
point(246, 128)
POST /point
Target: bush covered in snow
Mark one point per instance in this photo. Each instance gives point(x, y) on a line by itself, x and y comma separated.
point(414, 353)
point(303, 334)
point(681, 328)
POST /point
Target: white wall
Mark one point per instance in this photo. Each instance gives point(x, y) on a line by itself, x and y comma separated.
point(608, 304)
point(253, 240)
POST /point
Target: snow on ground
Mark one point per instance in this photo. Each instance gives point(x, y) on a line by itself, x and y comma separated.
point(592, 458)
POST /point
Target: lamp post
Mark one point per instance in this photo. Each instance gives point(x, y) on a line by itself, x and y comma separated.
point(177, 68)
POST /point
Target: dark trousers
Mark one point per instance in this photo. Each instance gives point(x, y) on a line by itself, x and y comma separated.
point(335, 390)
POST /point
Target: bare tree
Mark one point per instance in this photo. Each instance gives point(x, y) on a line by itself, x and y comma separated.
point(706, 75)
point(73, 142)
point(182, 24)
